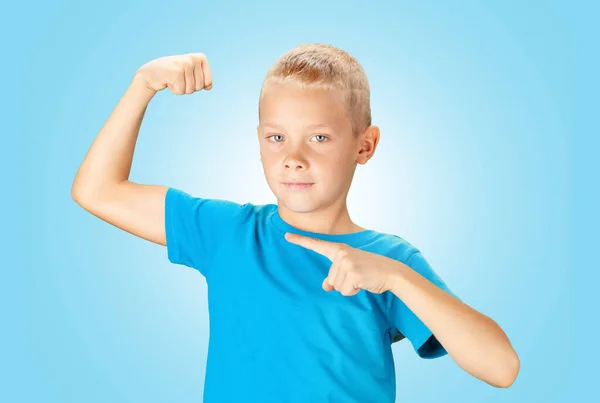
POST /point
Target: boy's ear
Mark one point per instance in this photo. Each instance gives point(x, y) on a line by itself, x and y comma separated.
point(370, 139)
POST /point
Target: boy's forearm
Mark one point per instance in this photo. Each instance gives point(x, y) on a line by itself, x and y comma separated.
point(475, 342)
point(108, 161)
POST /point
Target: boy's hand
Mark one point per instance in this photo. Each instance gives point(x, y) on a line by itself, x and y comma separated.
point(352, 269)
point(183, 74)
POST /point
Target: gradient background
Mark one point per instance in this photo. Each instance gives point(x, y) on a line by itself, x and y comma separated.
point(478, 106)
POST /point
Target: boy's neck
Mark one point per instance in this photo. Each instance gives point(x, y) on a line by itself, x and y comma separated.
point(333, 220)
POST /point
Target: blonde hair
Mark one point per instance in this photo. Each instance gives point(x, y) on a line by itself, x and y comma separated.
point(323, 66)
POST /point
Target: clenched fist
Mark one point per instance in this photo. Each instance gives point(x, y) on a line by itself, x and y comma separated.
point(183, 74)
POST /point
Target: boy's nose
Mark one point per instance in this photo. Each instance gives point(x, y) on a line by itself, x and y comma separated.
point(295, 161)
point(294, 164)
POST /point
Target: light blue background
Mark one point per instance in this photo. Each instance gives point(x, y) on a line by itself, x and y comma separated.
point(478, 106)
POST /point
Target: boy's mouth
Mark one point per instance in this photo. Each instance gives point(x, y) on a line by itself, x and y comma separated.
point(297, 185)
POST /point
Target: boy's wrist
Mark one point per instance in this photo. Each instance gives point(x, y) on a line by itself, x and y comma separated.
point(397, 277)
point(139, 87)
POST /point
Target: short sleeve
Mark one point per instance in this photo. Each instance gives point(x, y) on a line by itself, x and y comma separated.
point(407, 323)
point(196, 227)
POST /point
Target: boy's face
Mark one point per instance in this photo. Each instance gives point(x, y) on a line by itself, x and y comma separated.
point(294, 149)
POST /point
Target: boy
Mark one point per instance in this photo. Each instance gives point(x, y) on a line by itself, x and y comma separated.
point(288, 320)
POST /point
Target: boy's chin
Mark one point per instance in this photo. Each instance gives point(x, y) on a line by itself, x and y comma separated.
point(299, 205)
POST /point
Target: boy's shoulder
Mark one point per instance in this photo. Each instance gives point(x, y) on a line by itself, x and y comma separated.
point(394, 246)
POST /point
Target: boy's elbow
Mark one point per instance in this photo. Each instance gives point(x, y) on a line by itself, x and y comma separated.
point(76, 194)
point(510, 373)
point(77, 188)
point(81, 196)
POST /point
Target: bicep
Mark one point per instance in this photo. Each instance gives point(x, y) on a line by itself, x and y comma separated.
point(136, 208)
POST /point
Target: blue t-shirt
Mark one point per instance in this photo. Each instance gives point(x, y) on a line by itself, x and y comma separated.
point(275, 334)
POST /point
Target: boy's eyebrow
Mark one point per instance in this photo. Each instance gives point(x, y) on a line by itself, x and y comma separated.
point(313, 126)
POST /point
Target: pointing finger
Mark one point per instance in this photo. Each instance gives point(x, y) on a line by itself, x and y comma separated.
point(325, 248)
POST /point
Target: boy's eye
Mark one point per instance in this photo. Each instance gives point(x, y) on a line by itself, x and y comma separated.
point(275, 135)
point(323, 137)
